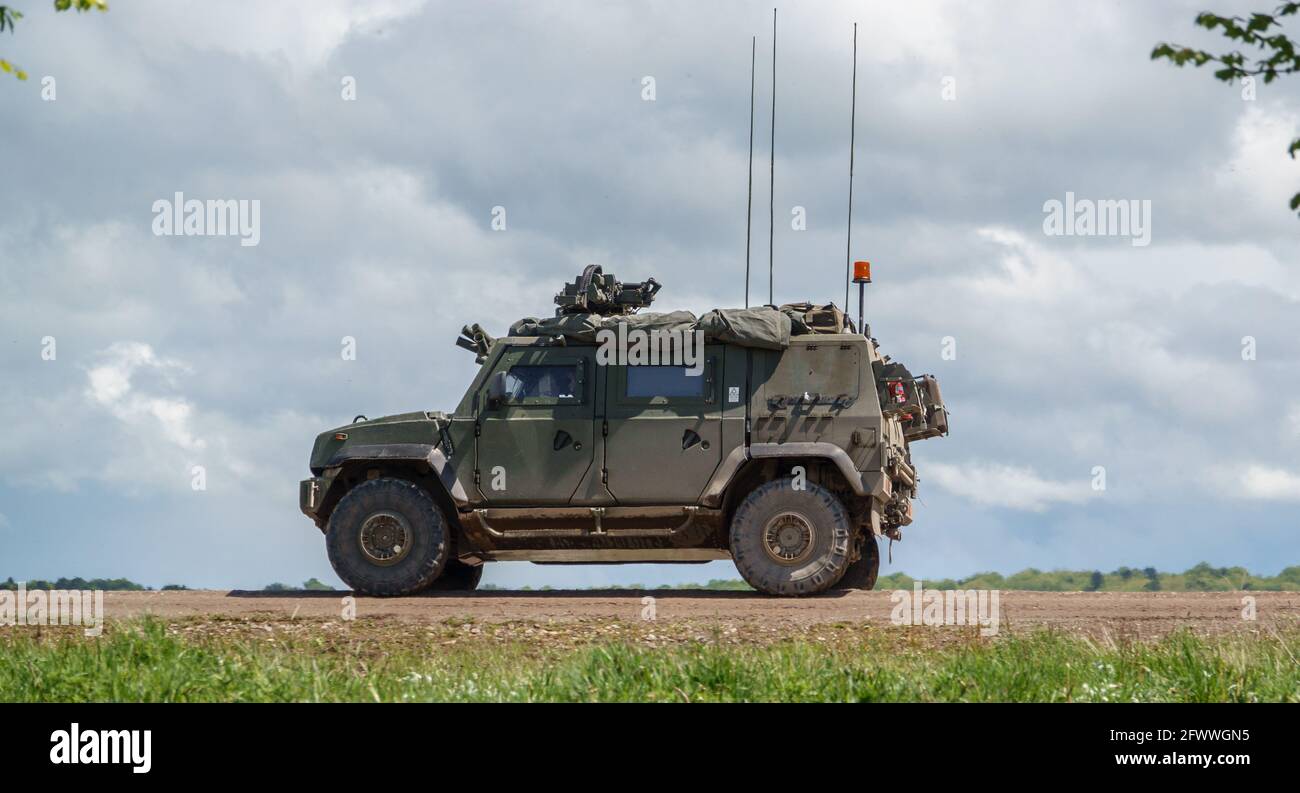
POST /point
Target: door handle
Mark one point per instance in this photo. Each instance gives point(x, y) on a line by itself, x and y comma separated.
point(690, 438)
point(562, 439)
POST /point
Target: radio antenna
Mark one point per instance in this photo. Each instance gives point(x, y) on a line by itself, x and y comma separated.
point(853, 122)
point(749, 208)
point(771, 205)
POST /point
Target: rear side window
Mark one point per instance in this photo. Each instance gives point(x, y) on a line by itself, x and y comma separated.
point(542, 381)
point(664, 381)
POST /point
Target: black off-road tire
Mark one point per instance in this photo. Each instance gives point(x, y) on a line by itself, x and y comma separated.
point(397, 502)
point(815, 522)
point(458, 577)
point(862, 574)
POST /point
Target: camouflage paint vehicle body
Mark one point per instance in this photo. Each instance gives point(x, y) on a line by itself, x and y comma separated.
point(791, 461)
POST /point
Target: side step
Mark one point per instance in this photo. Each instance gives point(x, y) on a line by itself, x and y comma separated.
point(557, 522)
point(609, 556)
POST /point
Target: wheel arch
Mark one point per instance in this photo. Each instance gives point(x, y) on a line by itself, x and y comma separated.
point(422, 464)
point(736, 471)
point(821, 466)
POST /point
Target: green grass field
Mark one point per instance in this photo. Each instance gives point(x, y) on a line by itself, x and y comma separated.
point(152, 661)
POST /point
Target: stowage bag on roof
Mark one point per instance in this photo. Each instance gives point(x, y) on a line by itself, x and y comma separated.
point(762, 327)
point(579, 327)
point(584, 327)
point(672, 320)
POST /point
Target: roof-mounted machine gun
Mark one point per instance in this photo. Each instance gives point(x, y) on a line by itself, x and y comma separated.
point(594, 292)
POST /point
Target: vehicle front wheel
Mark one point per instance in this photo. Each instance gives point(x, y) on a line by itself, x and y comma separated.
point(788, 541)
point(387, 537)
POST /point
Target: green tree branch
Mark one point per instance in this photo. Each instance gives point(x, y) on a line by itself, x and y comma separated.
point(8, 16)
point(1276, 54)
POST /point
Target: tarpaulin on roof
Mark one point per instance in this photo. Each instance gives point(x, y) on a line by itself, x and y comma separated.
point(762, 327)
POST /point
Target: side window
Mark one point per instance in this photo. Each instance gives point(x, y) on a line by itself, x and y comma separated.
point(542, 384)
point(644, 382)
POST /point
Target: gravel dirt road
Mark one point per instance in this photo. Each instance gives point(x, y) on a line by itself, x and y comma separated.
point(1119, 614)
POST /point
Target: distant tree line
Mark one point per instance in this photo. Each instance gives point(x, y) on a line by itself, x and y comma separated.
point(1201, 578)
point(311, 585)
point(107, 584)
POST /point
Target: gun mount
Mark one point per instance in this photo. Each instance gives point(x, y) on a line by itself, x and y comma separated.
point(595, 292)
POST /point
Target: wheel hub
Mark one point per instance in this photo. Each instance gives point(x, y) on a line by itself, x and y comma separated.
point(788, 538)
point(385, 538)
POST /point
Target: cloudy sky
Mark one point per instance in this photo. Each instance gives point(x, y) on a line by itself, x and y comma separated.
point(1072, 353)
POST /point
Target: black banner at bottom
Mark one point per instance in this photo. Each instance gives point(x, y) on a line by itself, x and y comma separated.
point(143, 744)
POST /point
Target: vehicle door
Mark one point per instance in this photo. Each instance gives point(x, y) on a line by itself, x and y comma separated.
point(535, 427)
point(664, 431)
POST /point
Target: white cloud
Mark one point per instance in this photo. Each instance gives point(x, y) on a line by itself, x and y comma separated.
point(304, 37)
point(1140, 358)
point(1270, 484)
point(110, 387)
point(1259, 173)
point(1029, 270)
point(1012, 487)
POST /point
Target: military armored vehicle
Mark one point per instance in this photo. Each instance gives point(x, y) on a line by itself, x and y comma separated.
point(777, 437)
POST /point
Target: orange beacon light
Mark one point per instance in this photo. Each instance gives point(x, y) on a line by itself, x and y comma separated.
point(862, 277)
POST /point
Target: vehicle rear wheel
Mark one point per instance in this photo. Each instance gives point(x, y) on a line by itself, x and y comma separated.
point(791, 542)
point(862, 574)
point(458, 577)
point(387, 537)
